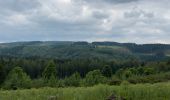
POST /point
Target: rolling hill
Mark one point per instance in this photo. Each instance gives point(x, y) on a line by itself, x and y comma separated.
point(73, 50)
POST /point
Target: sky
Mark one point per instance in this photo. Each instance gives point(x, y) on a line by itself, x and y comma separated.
point(139, 21)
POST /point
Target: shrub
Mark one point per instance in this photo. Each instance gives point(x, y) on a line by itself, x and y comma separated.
point(93, 78)
point(73, 80)
point(38, 83)
point(114, 81)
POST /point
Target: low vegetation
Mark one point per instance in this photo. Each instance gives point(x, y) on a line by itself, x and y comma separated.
point(159, 91)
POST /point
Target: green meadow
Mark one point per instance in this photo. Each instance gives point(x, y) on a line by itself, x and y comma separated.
point(158, 91)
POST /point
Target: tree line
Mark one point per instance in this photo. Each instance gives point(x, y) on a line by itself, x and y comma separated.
point(16, 73)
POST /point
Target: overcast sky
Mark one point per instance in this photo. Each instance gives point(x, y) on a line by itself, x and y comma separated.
point(139, 21)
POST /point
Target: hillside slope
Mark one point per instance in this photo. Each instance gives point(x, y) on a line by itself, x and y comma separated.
point(71, 50)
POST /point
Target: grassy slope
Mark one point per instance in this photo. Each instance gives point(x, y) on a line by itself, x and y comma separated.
point(159, 91)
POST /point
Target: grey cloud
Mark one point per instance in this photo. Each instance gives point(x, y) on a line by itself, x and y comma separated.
point(121, 1)
point(100, 14)
point(111, 1)
point(136, 13)
point(113, 20)
point(18, 5)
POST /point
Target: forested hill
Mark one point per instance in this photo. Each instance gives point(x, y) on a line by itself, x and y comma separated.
point(71, 50)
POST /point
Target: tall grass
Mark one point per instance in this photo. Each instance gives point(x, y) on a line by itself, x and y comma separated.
point(159, 91)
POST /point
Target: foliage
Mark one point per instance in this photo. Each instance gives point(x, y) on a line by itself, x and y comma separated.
point(49, 73)
point(52, 81)
point(93, 78)
point(38, 83)
point(149, 71)
point(17, 78)
point(107, 71)
point(73, 80)
point(119, 73)
point(114, 81)
point(155, 78)
point(80, 72)
point(2, 74)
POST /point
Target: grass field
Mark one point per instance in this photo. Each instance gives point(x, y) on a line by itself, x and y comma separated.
point(159, 91)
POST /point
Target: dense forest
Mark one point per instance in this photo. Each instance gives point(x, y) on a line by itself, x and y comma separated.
point(109, 69)
point(79, 50)
point(36, 72)
point(63, 64)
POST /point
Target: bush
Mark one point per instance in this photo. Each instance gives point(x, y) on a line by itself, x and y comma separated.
point(93, 78)
point(114, 81)
point(52, 82)
point(124, 83)
point(38, 83)
point(61, 83)
point(73, 80)
point(161, 77)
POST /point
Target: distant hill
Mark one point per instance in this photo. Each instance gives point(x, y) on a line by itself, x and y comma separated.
point(74, 50)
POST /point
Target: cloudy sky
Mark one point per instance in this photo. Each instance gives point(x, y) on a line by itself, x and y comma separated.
point(140, 21)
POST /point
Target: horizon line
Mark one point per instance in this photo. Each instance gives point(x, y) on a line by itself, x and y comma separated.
point(80, 41)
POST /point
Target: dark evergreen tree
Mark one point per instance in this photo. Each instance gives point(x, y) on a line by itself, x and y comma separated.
point(2, 74)
point(49, 73)
point(107, 71)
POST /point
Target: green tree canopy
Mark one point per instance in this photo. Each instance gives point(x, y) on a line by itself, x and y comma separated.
point(148, 71)
point(17, 78)
point(94, 77)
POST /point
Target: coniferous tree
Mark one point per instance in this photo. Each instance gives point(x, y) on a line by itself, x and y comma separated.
point(49, 73)
point(107, 71)
point(2, 74)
